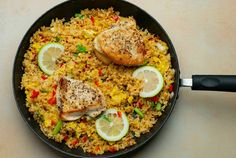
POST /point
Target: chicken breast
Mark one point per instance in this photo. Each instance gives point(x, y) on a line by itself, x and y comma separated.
point(122, 44)
point(99, 53)
point(75, 99)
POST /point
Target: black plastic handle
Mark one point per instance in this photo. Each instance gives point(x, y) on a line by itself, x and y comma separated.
point(214, 82)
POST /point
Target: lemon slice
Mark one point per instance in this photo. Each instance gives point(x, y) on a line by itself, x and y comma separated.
point(48, 55)
point(113, 125)
point(153, 80)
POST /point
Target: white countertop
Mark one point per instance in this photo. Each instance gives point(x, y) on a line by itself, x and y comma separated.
point(203, 124)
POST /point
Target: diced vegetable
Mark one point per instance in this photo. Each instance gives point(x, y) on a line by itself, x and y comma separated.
point(171, 88)
point(57, 39)
point(76, 54)
point(119, 114)
point(100, 72)
point(53, 122)
point(54, 86)
point(53, 93)
point(57, 128)
point(34, 94)
point(84, 139)
point(44, 77)
point(158, 106)
point(78, 15)
point(139, 112)
point(155, 99)
point(52, 101)
point(152, 104)
point(106, 118)
point(96, 83)
point(66, 137)
point(74, 142)
point(81, 48)
point(116, 18)
point(44, 91)
point(92, 19)
point(97, 148)
point(112, 149)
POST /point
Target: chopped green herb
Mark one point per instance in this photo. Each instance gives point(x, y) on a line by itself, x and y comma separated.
point(103, 79)
point(57, 128)
point(57, 39)
point(152, 104)
point(78, 15)
point(76, 54)
point(139, 112)
point(81, 48)
point(44, 91)
point(158, 106)
point(106, 118)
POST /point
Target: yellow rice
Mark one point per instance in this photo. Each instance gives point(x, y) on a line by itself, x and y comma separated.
point(119, 88)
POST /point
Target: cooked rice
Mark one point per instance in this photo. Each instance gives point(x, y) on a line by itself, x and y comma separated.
point(119, 88)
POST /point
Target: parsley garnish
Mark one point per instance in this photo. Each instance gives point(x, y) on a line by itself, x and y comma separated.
point(78, 15)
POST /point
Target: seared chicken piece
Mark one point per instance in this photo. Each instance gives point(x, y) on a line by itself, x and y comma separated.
point(99, 53)
point(75, 99)
point(122, 44)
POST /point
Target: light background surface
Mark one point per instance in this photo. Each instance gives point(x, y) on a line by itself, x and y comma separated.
point(203, 124)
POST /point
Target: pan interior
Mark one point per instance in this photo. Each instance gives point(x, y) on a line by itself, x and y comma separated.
point(67, 10)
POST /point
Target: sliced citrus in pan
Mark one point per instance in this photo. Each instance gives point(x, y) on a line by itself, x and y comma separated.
point(152, 78)
point(48, 55)
point(112, 125)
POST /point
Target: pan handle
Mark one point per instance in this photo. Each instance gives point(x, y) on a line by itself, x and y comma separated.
point(225, 83)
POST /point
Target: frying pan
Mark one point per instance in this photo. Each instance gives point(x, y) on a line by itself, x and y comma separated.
point(144, 20)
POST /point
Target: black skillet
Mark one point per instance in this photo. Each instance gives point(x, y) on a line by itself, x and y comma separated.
point(144, 20)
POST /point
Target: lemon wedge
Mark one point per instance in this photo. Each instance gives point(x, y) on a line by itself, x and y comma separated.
point(152, 78)
point(48, 55)
point(113, 125)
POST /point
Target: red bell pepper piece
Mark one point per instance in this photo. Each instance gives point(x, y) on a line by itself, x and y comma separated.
point(96, 83)
point(84, 139)
point(44, 77)
point(66, 137)
point(53, 122)
point(53, 93)
point(171, 88)
point(34, 94)
point(74, 142)
point(52, 101)
point(54, 86)
point(116, 18)
point(100, 72)
point(119, 114)
point(92, 19)
point(97, 148)
point(112, 149)
point(155, 99)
